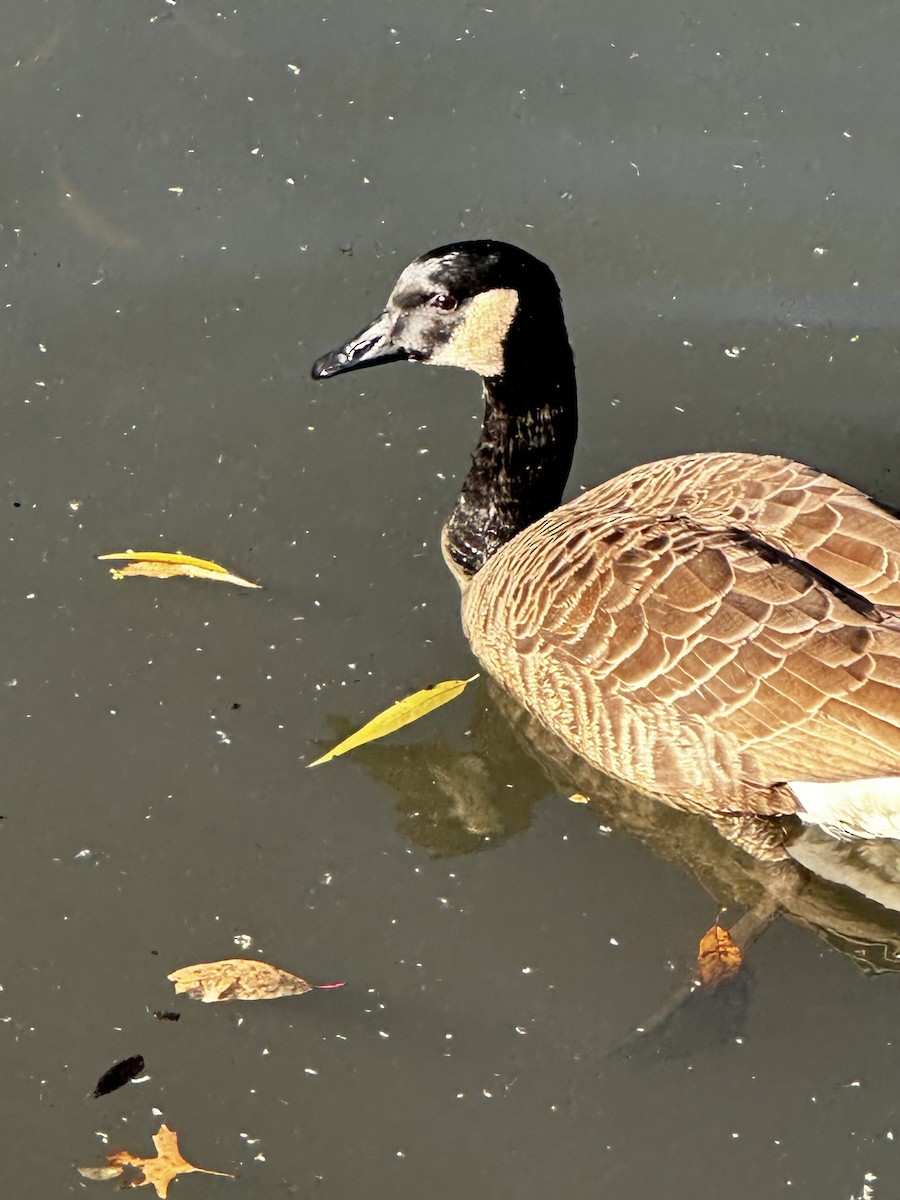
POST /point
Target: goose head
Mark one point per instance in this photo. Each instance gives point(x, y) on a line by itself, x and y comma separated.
point(461, 305)
point(494, 309)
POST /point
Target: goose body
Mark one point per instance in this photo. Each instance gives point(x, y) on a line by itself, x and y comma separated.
point(720, 630)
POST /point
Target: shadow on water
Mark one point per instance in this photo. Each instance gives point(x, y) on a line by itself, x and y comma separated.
point(488, 793)
point(453, 801)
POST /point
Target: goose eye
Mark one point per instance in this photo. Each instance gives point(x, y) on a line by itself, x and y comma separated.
point(442, 301)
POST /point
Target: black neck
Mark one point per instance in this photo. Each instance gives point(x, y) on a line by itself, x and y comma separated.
point(522, 461)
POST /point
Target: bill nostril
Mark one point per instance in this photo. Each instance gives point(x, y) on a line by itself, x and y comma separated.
point(359, 348)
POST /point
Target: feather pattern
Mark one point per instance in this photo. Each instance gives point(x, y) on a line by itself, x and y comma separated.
point(710, 627)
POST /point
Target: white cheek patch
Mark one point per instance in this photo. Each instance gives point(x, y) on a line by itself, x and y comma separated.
point(477, 341)
point(868, 808)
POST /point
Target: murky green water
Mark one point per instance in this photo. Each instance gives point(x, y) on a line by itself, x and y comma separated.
point(195, 202)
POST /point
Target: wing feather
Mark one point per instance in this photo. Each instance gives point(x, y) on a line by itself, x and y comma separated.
point(691, 650)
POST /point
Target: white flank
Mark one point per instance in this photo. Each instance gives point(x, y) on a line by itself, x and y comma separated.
point(862, 808)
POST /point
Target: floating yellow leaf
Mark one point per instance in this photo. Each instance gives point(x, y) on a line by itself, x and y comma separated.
point(401, 713)
point(161, 565)
point(161, 1170)
point(237, 979)
point(578, 798)
point(719, 956)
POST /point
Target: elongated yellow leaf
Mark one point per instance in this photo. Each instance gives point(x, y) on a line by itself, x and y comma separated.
point(403, 712)
point(164, 565)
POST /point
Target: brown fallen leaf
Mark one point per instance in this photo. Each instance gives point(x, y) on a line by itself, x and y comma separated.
point(237, 979)
point(161, 1170)
point(161, 565)
point(117, 1076)
point(719, 957)
point(401, 713)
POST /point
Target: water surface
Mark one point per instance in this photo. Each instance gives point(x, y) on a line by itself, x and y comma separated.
point(196, 201)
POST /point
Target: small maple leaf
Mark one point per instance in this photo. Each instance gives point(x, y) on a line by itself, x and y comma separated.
point(161, 1170)
point(719, 956)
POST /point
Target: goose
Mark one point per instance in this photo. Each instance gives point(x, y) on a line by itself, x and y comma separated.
point(719, 630)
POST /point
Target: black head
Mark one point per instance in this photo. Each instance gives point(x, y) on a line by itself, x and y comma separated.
point(461, 305)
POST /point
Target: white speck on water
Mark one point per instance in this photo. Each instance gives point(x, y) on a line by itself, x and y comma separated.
point(819, 251)
point(734, 351)
point(243, 941)
point(294, 68)
point(223, 737)
point(527, 970)
point(867, 1192)
point(310, 1071)
point(176, 191)
point(614, 941)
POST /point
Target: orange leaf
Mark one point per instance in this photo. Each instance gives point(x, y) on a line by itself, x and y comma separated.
point(161, 1170)
point(719, 957)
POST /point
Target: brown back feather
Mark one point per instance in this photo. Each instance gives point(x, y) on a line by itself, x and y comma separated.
point(707, 627)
